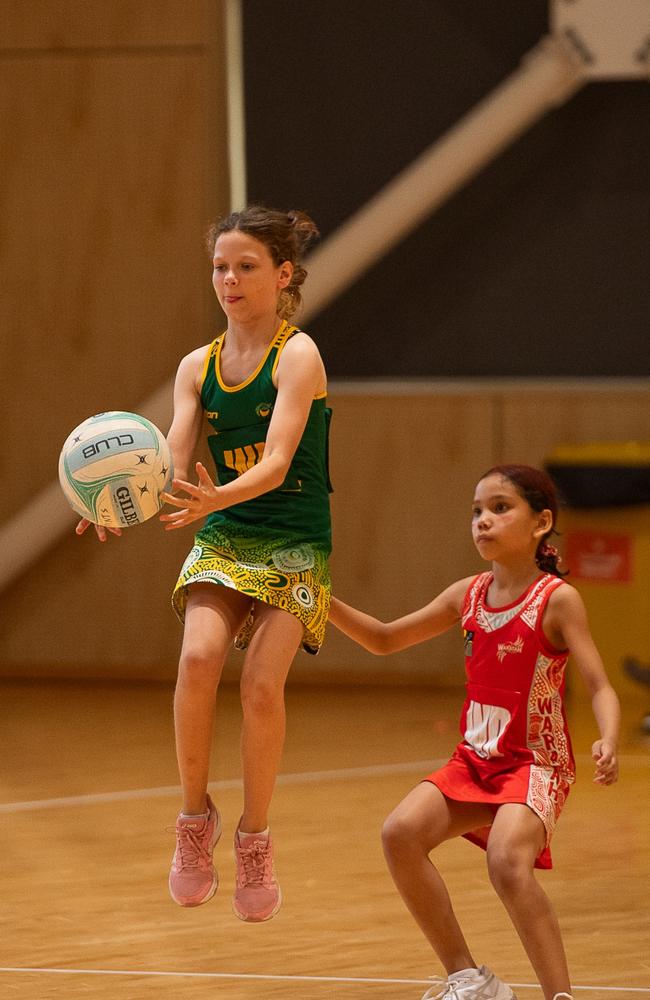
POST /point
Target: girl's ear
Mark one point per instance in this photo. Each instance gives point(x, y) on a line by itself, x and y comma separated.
point(544, 523)
point(285, 273)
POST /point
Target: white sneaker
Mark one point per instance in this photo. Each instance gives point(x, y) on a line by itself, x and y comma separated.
point(470, 984)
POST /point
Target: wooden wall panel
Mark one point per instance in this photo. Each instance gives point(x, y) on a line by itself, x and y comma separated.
point(113, 168)
point(403, 464)
point(114, 160)
point(49, 24)
point(532, 421)
point(404, 467)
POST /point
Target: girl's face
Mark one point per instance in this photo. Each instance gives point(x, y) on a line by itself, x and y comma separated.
point(504, 525)
point(245, 278)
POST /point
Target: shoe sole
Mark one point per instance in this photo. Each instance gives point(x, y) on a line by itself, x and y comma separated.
point(215, 881)
point(248, 919)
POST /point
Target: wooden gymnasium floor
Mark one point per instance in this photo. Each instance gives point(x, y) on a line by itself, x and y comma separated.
point(89, 795)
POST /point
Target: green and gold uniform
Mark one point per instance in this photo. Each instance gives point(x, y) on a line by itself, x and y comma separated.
point(275, 546)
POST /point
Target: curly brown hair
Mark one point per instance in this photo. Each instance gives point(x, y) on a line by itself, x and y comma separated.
point(286, 235)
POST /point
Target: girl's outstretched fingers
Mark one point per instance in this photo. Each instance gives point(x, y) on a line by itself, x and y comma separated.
point(198, 503)
point(100, 530)
point(604, 754)
point(204, 476)
point(175, 501)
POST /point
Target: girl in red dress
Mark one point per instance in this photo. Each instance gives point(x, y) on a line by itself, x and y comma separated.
point(509, 777)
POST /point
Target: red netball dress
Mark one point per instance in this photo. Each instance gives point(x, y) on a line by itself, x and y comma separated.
point(516, 745)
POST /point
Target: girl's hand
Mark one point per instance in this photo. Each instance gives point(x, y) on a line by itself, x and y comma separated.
point(202, 500)
point(100, 530)
point(604, 753)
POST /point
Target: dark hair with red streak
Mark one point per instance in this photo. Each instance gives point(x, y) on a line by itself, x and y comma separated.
point(286, 235)
point(539, 491)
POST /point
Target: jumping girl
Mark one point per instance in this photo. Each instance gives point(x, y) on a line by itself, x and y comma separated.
point(258, 572)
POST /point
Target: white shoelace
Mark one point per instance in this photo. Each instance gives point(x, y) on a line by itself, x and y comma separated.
point(454, 989)
point(449, 989)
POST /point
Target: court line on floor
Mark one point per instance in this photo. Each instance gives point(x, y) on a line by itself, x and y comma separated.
point(275, 978)
point(300, 777)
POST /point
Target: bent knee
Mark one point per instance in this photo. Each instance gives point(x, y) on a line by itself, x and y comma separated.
point(395, 830)
point(400, 834)
point(510, 871)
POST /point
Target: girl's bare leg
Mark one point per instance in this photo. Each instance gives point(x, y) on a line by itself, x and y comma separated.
point(516, 838)
point(213, 617)
point(424, 819)
point(270, 654)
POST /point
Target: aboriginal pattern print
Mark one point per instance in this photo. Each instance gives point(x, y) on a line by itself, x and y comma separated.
point(553, 773)
point(285, 574)
point(547, 735)
point(490, 620)
point(547, 793)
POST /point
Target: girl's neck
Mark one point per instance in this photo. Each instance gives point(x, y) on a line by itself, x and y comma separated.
point(511, 581)
point(253, 335)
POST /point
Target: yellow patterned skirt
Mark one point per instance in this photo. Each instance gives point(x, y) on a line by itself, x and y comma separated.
point(293, 576)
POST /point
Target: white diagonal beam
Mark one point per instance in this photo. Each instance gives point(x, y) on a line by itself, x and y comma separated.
point(548, 75)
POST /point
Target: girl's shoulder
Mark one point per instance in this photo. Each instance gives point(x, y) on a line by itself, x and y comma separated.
point(192, 367)
point(476, 584)
point(564, 605)
point(464, 591)
point(475, 580)
point(300, 358)
point(299, 345)
point(564, 594)
point(563, 608)
point(198, 355)
point(461, 587)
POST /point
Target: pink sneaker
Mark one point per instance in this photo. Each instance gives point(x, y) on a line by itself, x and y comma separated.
point(257, 893)
point(193, 879)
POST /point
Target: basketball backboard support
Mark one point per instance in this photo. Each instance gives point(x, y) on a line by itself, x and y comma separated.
point(611, 37)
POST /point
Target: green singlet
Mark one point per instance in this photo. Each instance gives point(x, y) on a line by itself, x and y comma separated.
point(274, 547)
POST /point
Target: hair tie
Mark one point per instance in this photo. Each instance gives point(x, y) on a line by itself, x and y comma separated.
point(547, 551)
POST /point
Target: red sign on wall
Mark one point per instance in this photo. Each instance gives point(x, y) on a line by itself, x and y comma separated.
point(599, 557)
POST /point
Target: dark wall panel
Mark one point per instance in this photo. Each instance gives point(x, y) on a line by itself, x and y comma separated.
point(537, 267)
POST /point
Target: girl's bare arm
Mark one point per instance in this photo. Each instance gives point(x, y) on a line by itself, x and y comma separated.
point(389, 637)
point(568, 627)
